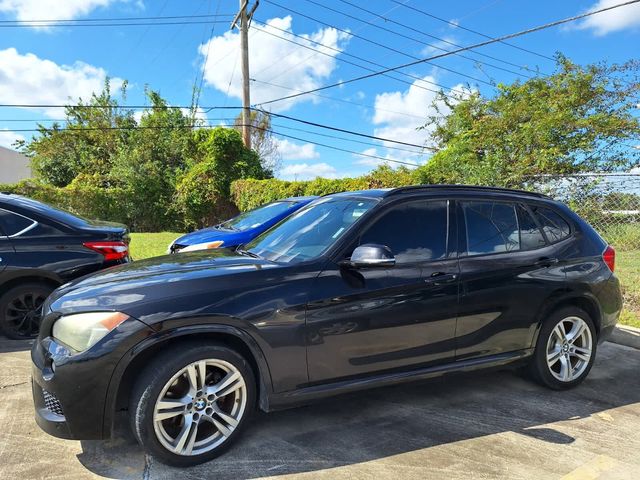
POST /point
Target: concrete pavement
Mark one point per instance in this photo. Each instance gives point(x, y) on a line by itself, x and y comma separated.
point(491, 425)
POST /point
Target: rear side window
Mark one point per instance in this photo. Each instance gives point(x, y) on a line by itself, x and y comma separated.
point(415, 231)
point(530, 235)
point(492, 227)
point(13, 224)
point(554, 226)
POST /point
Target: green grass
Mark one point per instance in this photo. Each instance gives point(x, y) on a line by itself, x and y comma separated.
point(145, 245)
point(628, 271)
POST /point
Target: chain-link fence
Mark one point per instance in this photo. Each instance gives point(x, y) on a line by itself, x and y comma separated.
point(611, 204)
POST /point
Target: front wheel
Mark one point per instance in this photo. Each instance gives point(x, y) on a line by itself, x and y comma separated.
point(191, 403)
point(566, 349)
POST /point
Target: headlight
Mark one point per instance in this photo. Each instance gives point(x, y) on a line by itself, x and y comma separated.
point(202, 246)
point(83, 330)
point(170, 247)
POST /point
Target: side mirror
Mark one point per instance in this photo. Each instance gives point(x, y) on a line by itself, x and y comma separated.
point(372, 255)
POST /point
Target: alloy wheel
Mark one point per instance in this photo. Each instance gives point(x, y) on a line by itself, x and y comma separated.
point(23, 314)
point(569, 349)
point(199, 407)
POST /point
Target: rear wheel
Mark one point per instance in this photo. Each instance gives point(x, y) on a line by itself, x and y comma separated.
point(20, 310)
point(188, 406)
point(566, 349)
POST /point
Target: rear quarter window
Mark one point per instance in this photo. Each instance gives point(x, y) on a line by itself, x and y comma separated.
point(554, 226)
point(14, 224)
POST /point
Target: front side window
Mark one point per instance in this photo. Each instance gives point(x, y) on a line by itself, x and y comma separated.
point(12, 224)
point(310, 231)
point(554, 226)
point(415, 231)
point(492, 227)
point(255, 218)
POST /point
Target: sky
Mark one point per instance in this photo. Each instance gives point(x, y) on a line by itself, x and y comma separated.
point(296, 46)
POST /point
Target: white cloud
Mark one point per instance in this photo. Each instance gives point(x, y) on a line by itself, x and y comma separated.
point(306, 171)
point(25, 10)
point(438, 46)
point(29, 79)
point(295, 151)
point(7, 137)
point(274, 60)
point(611, 20)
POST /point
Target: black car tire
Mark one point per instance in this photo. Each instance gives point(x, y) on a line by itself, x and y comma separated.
point(27, 294)
point(150, 384)
point(539, 366)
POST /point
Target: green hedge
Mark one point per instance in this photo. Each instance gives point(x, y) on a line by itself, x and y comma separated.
point(248, 194)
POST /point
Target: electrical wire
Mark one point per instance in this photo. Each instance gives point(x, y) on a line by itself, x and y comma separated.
point(469, 47)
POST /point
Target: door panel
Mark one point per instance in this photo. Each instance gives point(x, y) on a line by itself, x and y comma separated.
point(369, 320)
point(505, 277)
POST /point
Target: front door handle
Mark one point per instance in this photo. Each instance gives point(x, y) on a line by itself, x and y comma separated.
point(441, 278)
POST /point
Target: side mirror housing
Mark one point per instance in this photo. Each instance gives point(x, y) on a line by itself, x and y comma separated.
point(372, 255)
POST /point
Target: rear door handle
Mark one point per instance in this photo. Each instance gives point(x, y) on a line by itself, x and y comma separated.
point(441, 278)
point(546, 262)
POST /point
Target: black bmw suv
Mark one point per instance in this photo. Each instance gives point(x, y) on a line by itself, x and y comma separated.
point(41, 248)
point(355, 290)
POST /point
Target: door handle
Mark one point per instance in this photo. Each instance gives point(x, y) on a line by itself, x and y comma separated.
point(441, 278)
point(546, 262)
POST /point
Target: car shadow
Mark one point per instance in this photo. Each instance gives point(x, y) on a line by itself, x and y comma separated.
point(7, 345)
point(389, 421)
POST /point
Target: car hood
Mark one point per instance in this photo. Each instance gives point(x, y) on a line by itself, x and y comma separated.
point(154, 281)
point(229, 237)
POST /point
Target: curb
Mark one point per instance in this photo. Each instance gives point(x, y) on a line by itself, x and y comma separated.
point(625, 335)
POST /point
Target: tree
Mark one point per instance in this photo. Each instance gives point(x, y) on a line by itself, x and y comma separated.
point(88, 141)
point(262, 140)
point(203, 192)
point(576, 120)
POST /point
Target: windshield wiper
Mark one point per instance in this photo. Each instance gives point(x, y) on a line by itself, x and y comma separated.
point(247, 253)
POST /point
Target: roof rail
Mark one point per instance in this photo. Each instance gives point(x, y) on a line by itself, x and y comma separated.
point(480, 188)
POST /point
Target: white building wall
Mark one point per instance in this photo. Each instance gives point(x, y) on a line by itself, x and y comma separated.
point(14, 166)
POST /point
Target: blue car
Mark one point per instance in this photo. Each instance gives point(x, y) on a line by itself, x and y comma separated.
point(241, 229)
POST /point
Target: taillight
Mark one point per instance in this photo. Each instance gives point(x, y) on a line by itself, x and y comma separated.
point(609, 257)
point(110, 250)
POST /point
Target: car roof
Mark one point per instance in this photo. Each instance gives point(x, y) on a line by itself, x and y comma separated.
point(462, 189)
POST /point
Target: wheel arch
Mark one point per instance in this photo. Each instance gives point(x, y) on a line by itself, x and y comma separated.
point(124, 378)
point(31, 277)
point(582, 300)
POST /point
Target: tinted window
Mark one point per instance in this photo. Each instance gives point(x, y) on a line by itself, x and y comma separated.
point(530, 235)
point(491, 227)
point(12, 223)
point(257, 217)
point(555, 227)
point(311, 230)
point(414, 232)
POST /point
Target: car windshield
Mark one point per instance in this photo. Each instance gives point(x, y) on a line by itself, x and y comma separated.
point(309, 232)
point(255, 218)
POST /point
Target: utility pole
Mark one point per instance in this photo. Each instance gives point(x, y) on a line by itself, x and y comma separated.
point(244, 19)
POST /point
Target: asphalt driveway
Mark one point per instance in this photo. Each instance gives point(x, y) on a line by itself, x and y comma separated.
point(494, 425)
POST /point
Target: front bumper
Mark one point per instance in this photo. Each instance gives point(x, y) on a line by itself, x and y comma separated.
point(49, 413)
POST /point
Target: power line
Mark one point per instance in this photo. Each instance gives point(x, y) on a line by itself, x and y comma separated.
point(414, 77)
point(151, 127)
point(119, 19)
point(116, 24)
point(341, 100)
point(440, 39)
point(446, 54)
point(457, 25)
point(204, 66)
point(381, 45)
point(406, 37)
point(207, 109)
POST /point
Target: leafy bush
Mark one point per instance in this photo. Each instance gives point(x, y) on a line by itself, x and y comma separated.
point(251, 193)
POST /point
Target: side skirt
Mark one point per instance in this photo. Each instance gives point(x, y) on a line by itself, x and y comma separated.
point(303, 395)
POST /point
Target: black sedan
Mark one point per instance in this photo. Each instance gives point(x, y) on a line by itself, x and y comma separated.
point(41, 248)
point(354, 290)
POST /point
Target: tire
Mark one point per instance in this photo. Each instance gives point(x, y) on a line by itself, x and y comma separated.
point(211, 418)
point(20, 310)
point(564, 362)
